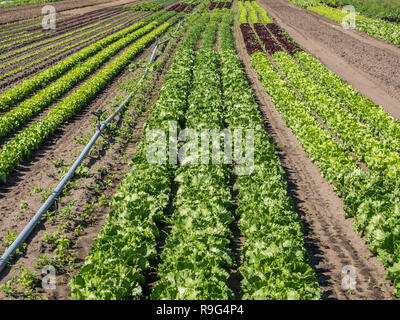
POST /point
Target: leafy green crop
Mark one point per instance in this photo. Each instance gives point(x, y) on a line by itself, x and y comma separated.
point(196, 258)
point(356, 136)
point(19, 147)
point(28, 108)
point(27, 87)
point(369, 197)
point(380, 29)
point(375, 116)
point(275, 264)
point(126, 245)
point(242, 12)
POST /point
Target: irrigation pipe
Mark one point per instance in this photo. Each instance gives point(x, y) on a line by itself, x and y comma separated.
point(100, 128)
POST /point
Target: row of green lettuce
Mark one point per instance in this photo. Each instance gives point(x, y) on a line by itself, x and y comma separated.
point(196, 259)
point(12, 96)
point(26, 110)
point(126, 244)
point(64, 45)
point(275, 264)
point(52, 39)
point(370, 197)
point(368, 8)
point(366, 128)
point(28, 140)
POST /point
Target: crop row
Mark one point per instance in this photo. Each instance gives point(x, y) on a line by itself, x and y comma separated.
point(141, 199)
point(356, 136)
point(266, 38)
point(250, 38)
point(44, 98)
point(275, 264)
point(378, 120)
point(196, 259)
point(37, 44)
point(20, 147)
point(29, 86)
point(36, 52)
point(242, 12)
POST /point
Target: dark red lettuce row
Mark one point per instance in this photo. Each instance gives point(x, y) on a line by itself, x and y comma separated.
point(212, 5)
point(250, 39)
point(266, 38)
point(289, 44)
point(173, 7)
point(228, 5)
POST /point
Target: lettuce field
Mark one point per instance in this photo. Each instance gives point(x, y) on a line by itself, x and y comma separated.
point(254, 152)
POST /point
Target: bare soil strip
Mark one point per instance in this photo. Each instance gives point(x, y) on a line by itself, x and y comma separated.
point(369, 65)
point(329, 237)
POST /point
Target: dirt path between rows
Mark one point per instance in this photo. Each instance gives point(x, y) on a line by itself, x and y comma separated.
point(369, 65)
point(63, 8)
point(329, 237)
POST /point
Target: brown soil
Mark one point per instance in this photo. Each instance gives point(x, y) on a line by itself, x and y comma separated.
point(329, 237)
point(63, 8)
point(369, 65)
